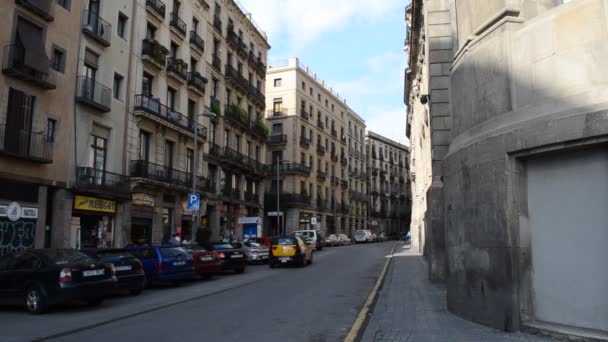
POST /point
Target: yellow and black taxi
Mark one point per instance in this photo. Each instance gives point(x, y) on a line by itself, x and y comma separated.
point(289, 250)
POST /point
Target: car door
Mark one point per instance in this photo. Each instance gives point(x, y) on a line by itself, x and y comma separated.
point(26, 271)
point(5, 276)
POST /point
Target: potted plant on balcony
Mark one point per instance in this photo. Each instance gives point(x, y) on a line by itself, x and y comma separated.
point(215, 108)
point(261, 128)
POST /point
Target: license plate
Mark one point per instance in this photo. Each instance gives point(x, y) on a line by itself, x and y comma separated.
point(179, 263)
point(123, 268)
point(207, 258)
point(284, 259)
point(93, 273)
point(237, 256)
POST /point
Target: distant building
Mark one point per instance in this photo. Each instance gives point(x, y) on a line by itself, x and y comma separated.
point(508, 115)
point(387, 174)
point(321, 180)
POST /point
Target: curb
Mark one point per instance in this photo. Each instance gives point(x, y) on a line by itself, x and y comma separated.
point(357, 328)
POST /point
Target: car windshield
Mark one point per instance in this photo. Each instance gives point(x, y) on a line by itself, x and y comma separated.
point(252, 244)
point(223, 246)
point(285, 241)
point(66, 256)
point(309, 234)
point(360, 232)
point(172, 252)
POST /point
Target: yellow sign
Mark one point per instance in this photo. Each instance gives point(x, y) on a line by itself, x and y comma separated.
point(94, 204)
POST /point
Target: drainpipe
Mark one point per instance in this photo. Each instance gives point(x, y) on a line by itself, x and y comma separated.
point(128, 99)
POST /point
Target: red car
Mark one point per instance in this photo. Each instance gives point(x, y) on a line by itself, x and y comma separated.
point(262, 240)
point(205, 262)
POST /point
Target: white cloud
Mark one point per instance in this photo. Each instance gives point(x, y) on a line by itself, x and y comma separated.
point(305, 21)
point(389, 123)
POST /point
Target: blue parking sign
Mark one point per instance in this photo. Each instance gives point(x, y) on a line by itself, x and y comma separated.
point(194, 202)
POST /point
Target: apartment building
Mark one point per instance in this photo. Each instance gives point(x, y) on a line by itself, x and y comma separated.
point(307, 149)
point(388, 174)
point(194, 57)
point(357, 173)
point(39, 57)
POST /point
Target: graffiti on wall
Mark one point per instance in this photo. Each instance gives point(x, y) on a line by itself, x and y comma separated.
point(16, 236)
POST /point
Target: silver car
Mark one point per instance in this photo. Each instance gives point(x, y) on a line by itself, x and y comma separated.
point(254, 251)
point(343, 240)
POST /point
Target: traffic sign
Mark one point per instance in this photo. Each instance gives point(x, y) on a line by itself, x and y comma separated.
point(194, 202)
point(313, 220)
point(275, 213)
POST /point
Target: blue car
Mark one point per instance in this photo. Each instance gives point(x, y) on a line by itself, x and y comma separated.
point(164, 263)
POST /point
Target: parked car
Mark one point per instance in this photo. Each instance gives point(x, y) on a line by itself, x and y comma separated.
point(289, 250)
point(255, 252)
point(129, 270)
point(317, 235)
point(39, 278)
point(205, 262)
point(164, 263)
point(331, 240)
point(231, 258)
point(381, 237)
point(264, 240)
point(343, 240)
point(363, 236)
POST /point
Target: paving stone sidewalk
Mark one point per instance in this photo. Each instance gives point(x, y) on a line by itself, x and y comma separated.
point(412, 309)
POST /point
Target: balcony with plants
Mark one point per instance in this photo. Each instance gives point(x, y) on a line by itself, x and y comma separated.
point(154, 53)
point(177, 69)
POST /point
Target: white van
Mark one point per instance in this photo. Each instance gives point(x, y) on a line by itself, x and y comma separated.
point(316, 236)
point(363, 236)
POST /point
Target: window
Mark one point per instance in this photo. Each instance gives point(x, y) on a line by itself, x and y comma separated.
point(326, 103)
point(150, 31)
point(332, 107)
point(189, 160)
point(238, 143)
point(311, 91)
point(302, 159)
point(278, 82)
point(248, 146)
point(303, 85)
point(171, 98)
point(64, 3)
point(277, 129)
point(51, 127)
point(58, 59)
point(144, 146)
point(117, 86)
point(169, 148)
point(226, 138)
point(277, 107)
point(98, 153)
point(310, 161)
point(257, 153)
point(121, 26)
point(319, 97)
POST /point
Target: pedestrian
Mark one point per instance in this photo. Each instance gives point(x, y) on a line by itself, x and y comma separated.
point(175, 240)
point(186, 240)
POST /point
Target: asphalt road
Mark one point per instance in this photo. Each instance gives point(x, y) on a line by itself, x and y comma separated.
point(316, 303)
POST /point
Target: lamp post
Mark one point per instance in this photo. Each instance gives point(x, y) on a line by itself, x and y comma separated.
point(194, 164)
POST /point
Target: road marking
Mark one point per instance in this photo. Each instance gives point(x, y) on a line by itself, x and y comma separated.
point(355, 330)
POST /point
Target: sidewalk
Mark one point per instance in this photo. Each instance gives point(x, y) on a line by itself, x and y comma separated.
point(410, 308)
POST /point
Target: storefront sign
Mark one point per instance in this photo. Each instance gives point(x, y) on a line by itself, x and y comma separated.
point(14, 211)
point(94, 204)
point(143, 199)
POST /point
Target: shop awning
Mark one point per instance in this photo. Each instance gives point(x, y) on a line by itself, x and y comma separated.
point(250, 220)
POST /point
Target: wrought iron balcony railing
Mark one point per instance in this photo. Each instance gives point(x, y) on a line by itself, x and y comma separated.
point(154, 51)
point(13, 64)
point(196, 80)
point(277, 139)
point(304, 114)
point(197, 41)
point(160, 173)
point(216, 62)
point(93, 94)
point(97, 28)
point(153, 106)
point(178, 67)
point(290, 168)
point(217, 23)
point(177, 23)
point(320, 150)
point(43, 8)
point(156, 6)
point(27, 145)
point(304, 142)
point(102, 181)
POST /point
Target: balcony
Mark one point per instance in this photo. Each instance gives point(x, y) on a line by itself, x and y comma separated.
point(335, 180)
point(286, 200)
point(216, 62)
point(207, 185)
point(43, 8)
point(102, 182)
point(343, 160)
point(343, 139)
point(93, 94)
point(334, 156)
point(256, 95)
point(374, 172)
point(156, 8)
point(290, 169)
point(375, 191)
point(26, 145)
point(237, 116)
point(152, 108)
point(234, 76)
point(321, 176)
point(236, 42)
point(160, 173)
point(177, 69)
point(197, 42)
point(177, 25)
point(334, 133)
point(276, 113)
point(304, 142)
point(261, 68)
point(154, 53)
point(320, 150)
point(304, 114)
point(96, 28)
point(344, 184)
point(320, 124)
point(217, 23)
point(401, 180)
point(196, 82)
point(235, 194)
point(251, 197)
point(277, 139)
point(37, 71)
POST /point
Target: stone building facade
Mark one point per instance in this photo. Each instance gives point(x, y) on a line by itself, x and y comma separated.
point(190, 58)
point(388, 183)
point(39, 58)
point(308, 125)
point(519, 171)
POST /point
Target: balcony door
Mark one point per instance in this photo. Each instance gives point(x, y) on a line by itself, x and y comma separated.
point(98, 158)
point(93, 19)
point(90, 72)
point(17, 130)
point(169, 150)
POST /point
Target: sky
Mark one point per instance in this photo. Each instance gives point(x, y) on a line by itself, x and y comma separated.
point(355, 46)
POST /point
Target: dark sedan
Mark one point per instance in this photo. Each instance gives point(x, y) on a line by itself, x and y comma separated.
point(205, 262)
point(230, 257)
point(39, 278)
point(129, 270)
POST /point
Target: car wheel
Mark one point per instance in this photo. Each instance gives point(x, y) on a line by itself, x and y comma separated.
point(135, 292)
point(94, 301)
point(35, 300)
point(239, 270)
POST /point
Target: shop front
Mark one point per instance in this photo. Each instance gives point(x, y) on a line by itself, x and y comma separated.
point(142, 214)
point(93, 222)
point(17, 228)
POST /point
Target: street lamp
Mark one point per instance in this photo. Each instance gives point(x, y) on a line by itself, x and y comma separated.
point(279, 161)
point(194, 164)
